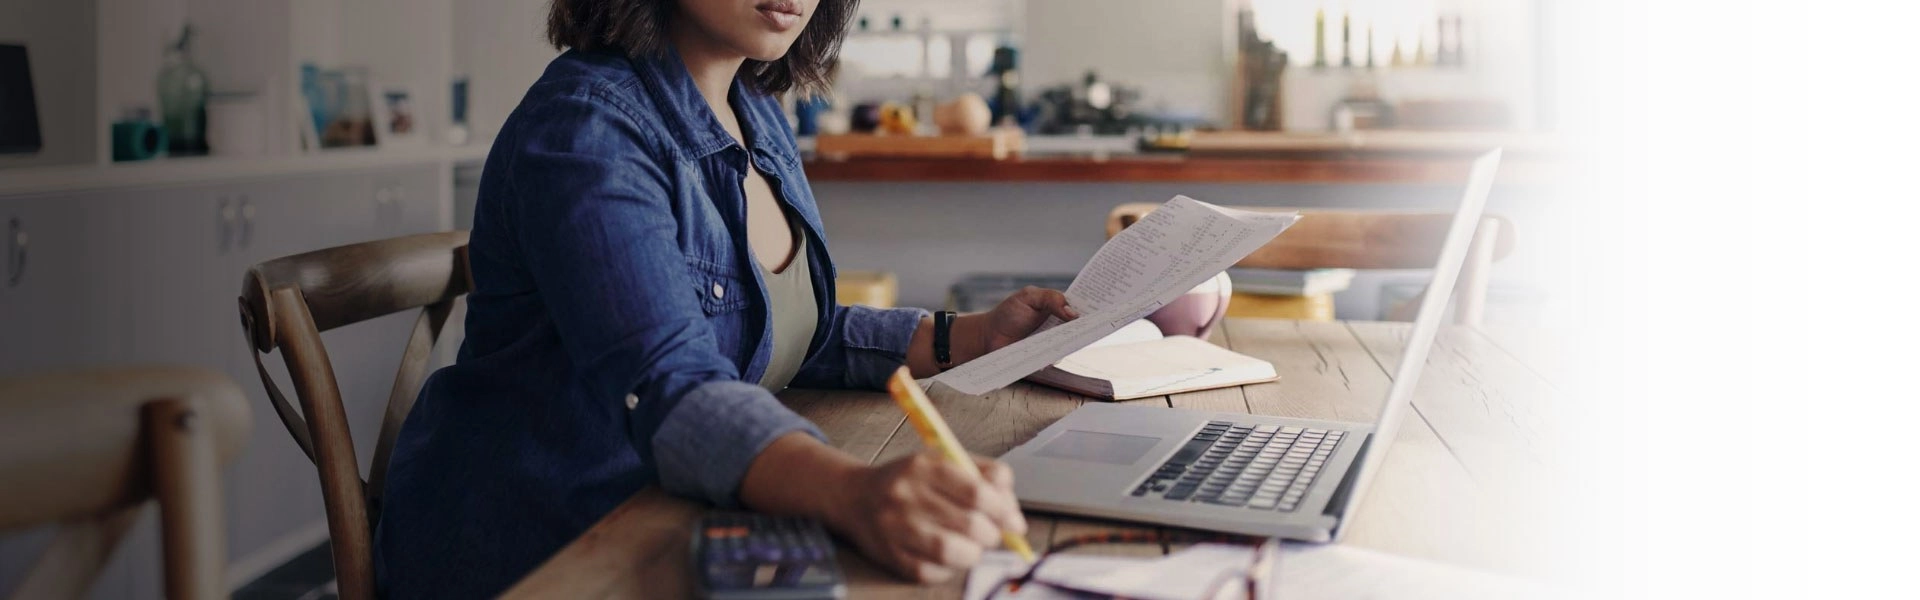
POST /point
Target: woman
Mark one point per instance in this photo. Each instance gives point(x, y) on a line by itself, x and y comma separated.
point(649, 267)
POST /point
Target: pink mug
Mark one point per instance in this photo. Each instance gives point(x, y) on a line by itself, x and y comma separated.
point(1196, 312)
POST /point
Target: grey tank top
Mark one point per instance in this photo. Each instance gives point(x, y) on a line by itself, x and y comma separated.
point(795, 313)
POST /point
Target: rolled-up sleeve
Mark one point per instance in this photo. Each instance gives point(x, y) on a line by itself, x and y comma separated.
point(593, 221)
point(713, 435)
point(864, 345)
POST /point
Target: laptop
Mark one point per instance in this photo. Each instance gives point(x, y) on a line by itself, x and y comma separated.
point(1293, 478)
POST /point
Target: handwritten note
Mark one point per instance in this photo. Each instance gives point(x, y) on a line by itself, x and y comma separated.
point(1174, 248)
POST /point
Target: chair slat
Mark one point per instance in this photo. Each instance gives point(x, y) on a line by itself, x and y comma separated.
point(414, 364)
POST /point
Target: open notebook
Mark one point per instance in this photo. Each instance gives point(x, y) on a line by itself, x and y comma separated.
point(1147, 266)
point(1138, 361)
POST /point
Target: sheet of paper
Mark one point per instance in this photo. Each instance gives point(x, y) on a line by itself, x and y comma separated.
point(1337, 571)
point(1174, 248)
point(1185, 575)
point(1137, 331)
point(998, 566)
point(1302, 571)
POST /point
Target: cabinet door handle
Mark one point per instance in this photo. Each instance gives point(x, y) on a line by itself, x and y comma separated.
point(246, 222)
point(224, 216)
point(16, 252)
point(382, 204)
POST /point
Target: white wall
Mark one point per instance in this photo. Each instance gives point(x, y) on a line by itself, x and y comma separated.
point(408, 44)
point(253, 46)
point(1178, 52)
point(946, 15)
point(60, 49)
point(1500, 42)
point(133, 34)
point(239, 44)
point(501, 46)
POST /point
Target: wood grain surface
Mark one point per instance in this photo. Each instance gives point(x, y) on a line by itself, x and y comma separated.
point(1463, 484)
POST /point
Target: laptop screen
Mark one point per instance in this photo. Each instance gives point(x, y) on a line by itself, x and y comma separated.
point(1433, 308)
point(19, 117)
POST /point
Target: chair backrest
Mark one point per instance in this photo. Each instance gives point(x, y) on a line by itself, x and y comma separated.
point(1326, 239)
point(86, 449)
point(286, 303)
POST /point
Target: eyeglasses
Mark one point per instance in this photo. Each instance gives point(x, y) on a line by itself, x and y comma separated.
point(1254, 576)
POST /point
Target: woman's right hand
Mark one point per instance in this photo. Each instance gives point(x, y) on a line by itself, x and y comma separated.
point(925, 518)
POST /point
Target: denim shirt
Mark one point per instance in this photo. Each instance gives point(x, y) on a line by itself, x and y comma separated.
point(615, 329)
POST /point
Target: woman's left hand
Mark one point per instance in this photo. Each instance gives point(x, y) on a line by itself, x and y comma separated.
point(976, 334)
point(1020, 314)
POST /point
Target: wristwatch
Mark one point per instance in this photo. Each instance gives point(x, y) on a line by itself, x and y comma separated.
point(943, 339)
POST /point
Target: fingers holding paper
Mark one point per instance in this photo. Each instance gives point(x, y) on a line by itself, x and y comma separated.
point(1023, 313)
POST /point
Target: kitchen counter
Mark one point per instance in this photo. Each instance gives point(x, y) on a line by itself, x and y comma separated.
point(164, 172)
point(1169, 169)
point(1228, 157)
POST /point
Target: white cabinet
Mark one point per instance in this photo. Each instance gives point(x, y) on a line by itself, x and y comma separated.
point(60, 303)
point(141, 276)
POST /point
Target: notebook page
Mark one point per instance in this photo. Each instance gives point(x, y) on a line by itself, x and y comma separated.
point(1162, 364)
point(1174, 248)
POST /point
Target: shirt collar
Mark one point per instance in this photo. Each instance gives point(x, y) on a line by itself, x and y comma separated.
point(685, 111)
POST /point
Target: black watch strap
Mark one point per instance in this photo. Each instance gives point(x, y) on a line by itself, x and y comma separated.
point(943, 338)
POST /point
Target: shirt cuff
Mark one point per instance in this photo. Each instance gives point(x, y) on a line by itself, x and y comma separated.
point(877, 341)
point(703, 448)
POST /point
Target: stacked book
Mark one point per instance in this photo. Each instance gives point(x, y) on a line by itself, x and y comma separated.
point(1276, 282)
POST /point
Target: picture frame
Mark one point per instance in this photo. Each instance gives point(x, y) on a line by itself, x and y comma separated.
point(397, 121)
point(340, 105)
point(304, 127)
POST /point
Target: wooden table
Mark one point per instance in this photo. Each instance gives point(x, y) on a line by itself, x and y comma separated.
point(1468, 482)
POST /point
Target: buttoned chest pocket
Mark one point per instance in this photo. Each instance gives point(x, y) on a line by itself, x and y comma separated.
point(720, 290)
point(722, 294)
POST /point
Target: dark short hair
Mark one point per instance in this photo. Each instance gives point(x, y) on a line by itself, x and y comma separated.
point(638, 28)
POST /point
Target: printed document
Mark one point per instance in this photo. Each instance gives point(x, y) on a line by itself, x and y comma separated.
point(1301, 571)
point(1178, 246)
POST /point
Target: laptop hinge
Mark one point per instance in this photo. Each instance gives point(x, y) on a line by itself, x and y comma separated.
point(1347, 481)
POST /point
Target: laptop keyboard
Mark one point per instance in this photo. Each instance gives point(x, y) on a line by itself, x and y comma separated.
point(1264, 467)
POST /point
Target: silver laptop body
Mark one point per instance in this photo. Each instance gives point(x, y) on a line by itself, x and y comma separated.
point(1235, 472)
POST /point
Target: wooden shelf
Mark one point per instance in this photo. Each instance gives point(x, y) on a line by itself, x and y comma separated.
point(205, 169)
point(1369, 144)
point(1170, 169)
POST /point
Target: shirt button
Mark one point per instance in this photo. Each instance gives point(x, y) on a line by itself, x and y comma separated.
point(632, 401)
point(719, 291)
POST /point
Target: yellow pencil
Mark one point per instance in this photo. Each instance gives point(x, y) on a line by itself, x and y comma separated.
point(934, 432)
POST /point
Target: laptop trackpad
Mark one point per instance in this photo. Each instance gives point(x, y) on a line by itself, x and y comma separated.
point(1094, 446)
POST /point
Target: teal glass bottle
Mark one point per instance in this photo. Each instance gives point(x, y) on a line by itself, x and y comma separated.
point(183, 98)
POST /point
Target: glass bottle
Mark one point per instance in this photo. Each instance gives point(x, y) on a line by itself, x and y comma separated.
point(183, 98)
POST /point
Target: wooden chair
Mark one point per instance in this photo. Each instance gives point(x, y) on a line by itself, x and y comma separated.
point(286, 303)
point(86, 449)
point(1370, 240)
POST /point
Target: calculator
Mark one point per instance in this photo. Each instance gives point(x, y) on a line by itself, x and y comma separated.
point(750, 556)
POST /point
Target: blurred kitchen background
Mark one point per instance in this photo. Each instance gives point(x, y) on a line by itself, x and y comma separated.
point(966, 147)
